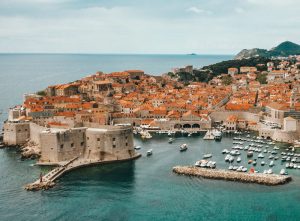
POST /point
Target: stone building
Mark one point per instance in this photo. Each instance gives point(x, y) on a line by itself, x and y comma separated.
point(59, 145)
point(16, 133)
point(103, 143)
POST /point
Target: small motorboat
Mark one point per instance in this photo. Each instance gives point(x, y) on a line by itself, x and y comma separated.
point(183, 147)
point(230, 167)
point(149, 152)
point(225, 151)
point(206, 156)
point(271, 163)
point(260, 155)
point(283, 172)
point(238, 160)
point(254, 163)
point(137, 147)
point(203, 163)
point(249, 154)
point(250, 161)
point(171, 140)
point(231, 159)
point(269, 171)
point(262, 163)
point(271, 157)
point(227, 158)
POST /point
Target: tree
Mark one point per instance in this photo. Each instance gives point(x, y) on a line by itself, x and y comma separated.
point(226, 80)
point(261, 78)
point(41, 93)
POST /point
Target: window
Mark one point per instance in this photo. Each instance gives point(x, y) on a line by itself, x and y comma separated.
point(114, 139)
point(98, 139)
point(126, 144)
point(81, 143)
point(114, 146)
point(87, 138)
point(61, 146)
point(72, 144)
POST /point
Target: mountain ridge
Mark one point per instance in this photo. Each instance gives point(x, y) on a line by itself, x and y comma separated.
point(285, 48)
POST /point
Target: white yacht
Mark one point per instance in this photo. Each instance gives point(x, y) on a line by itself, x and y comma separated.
point(206, 156)
point(149, 152)
point(183, 147)
point(137, 147)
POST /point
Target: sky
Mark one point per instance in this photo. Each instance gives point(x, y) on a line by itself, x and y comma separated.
point(146, 26)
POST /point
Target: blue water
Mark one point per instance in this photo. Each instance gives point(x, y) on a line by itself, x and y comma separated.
point(143, 190)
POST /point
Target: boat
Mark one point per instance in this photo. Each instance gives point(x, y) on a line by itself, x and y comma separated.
point(206, 156)
point(269, 171)
point(260, 155)
point(231, 159)
point(225, 151)
point(283, 172)
point(238, 160)
point(249, 154)
point(183, 147)
point(271, 157)
point(203, 163)
point(230, 167)
point(149, 152)
point(271, 163)
point(227, 158)
point(250, 161)
point(244, 169)
point(217, 135)
point(170, 140)
point(137, 147)
point(262, 163)
point(212, 164)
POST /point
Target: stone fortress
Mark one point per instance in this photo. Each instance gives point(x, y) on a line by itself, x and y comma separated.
point(59, 145)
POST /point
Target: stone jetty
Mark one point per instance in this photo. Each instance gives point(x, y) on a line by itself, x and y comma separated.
point(219, 174)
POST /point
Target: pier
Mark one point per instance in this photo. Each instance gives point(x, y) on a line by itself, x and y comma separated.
point(48, 180)
point(219, 174)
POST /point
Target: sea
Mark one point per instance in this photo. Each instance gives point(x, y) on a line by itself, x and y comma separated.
point(141, 190)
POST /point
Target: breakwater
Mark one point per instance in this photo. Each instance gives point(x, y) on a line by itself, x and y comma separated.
point(219, 174)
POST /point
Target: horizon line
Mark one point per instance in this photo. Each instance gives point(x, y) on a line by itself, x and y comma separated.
point(87, 53)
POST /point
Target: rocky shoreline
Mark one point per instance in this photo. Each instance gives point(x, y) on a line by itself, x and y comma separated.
point(29, 150)
point(259, 178)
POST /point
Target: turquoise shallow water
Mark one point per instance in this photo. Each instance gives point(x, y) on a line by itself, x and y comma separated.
point(146, 189)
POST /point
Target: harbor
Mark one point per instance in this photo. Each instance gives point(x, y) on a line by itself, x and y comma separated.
point(221, 174)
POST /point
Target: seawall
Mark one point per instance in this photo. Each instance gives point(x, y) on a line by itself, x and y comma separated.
point(219, 174)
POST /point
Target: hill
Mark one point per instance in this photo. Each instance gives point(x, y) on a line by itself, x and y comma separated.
point(284, 49)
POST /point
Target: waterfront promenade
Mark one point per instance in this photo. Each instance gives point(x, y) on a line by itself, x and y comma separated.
point(218, 174)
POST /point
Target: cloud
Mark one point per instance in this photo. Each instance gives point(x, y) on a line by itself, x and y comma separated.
point(271, 3)
point(239, 10)
point(198, 10)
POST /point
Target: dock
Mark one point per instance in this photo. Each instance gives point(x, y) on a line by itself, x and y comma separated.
point(48, 180)
point(220, 174)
